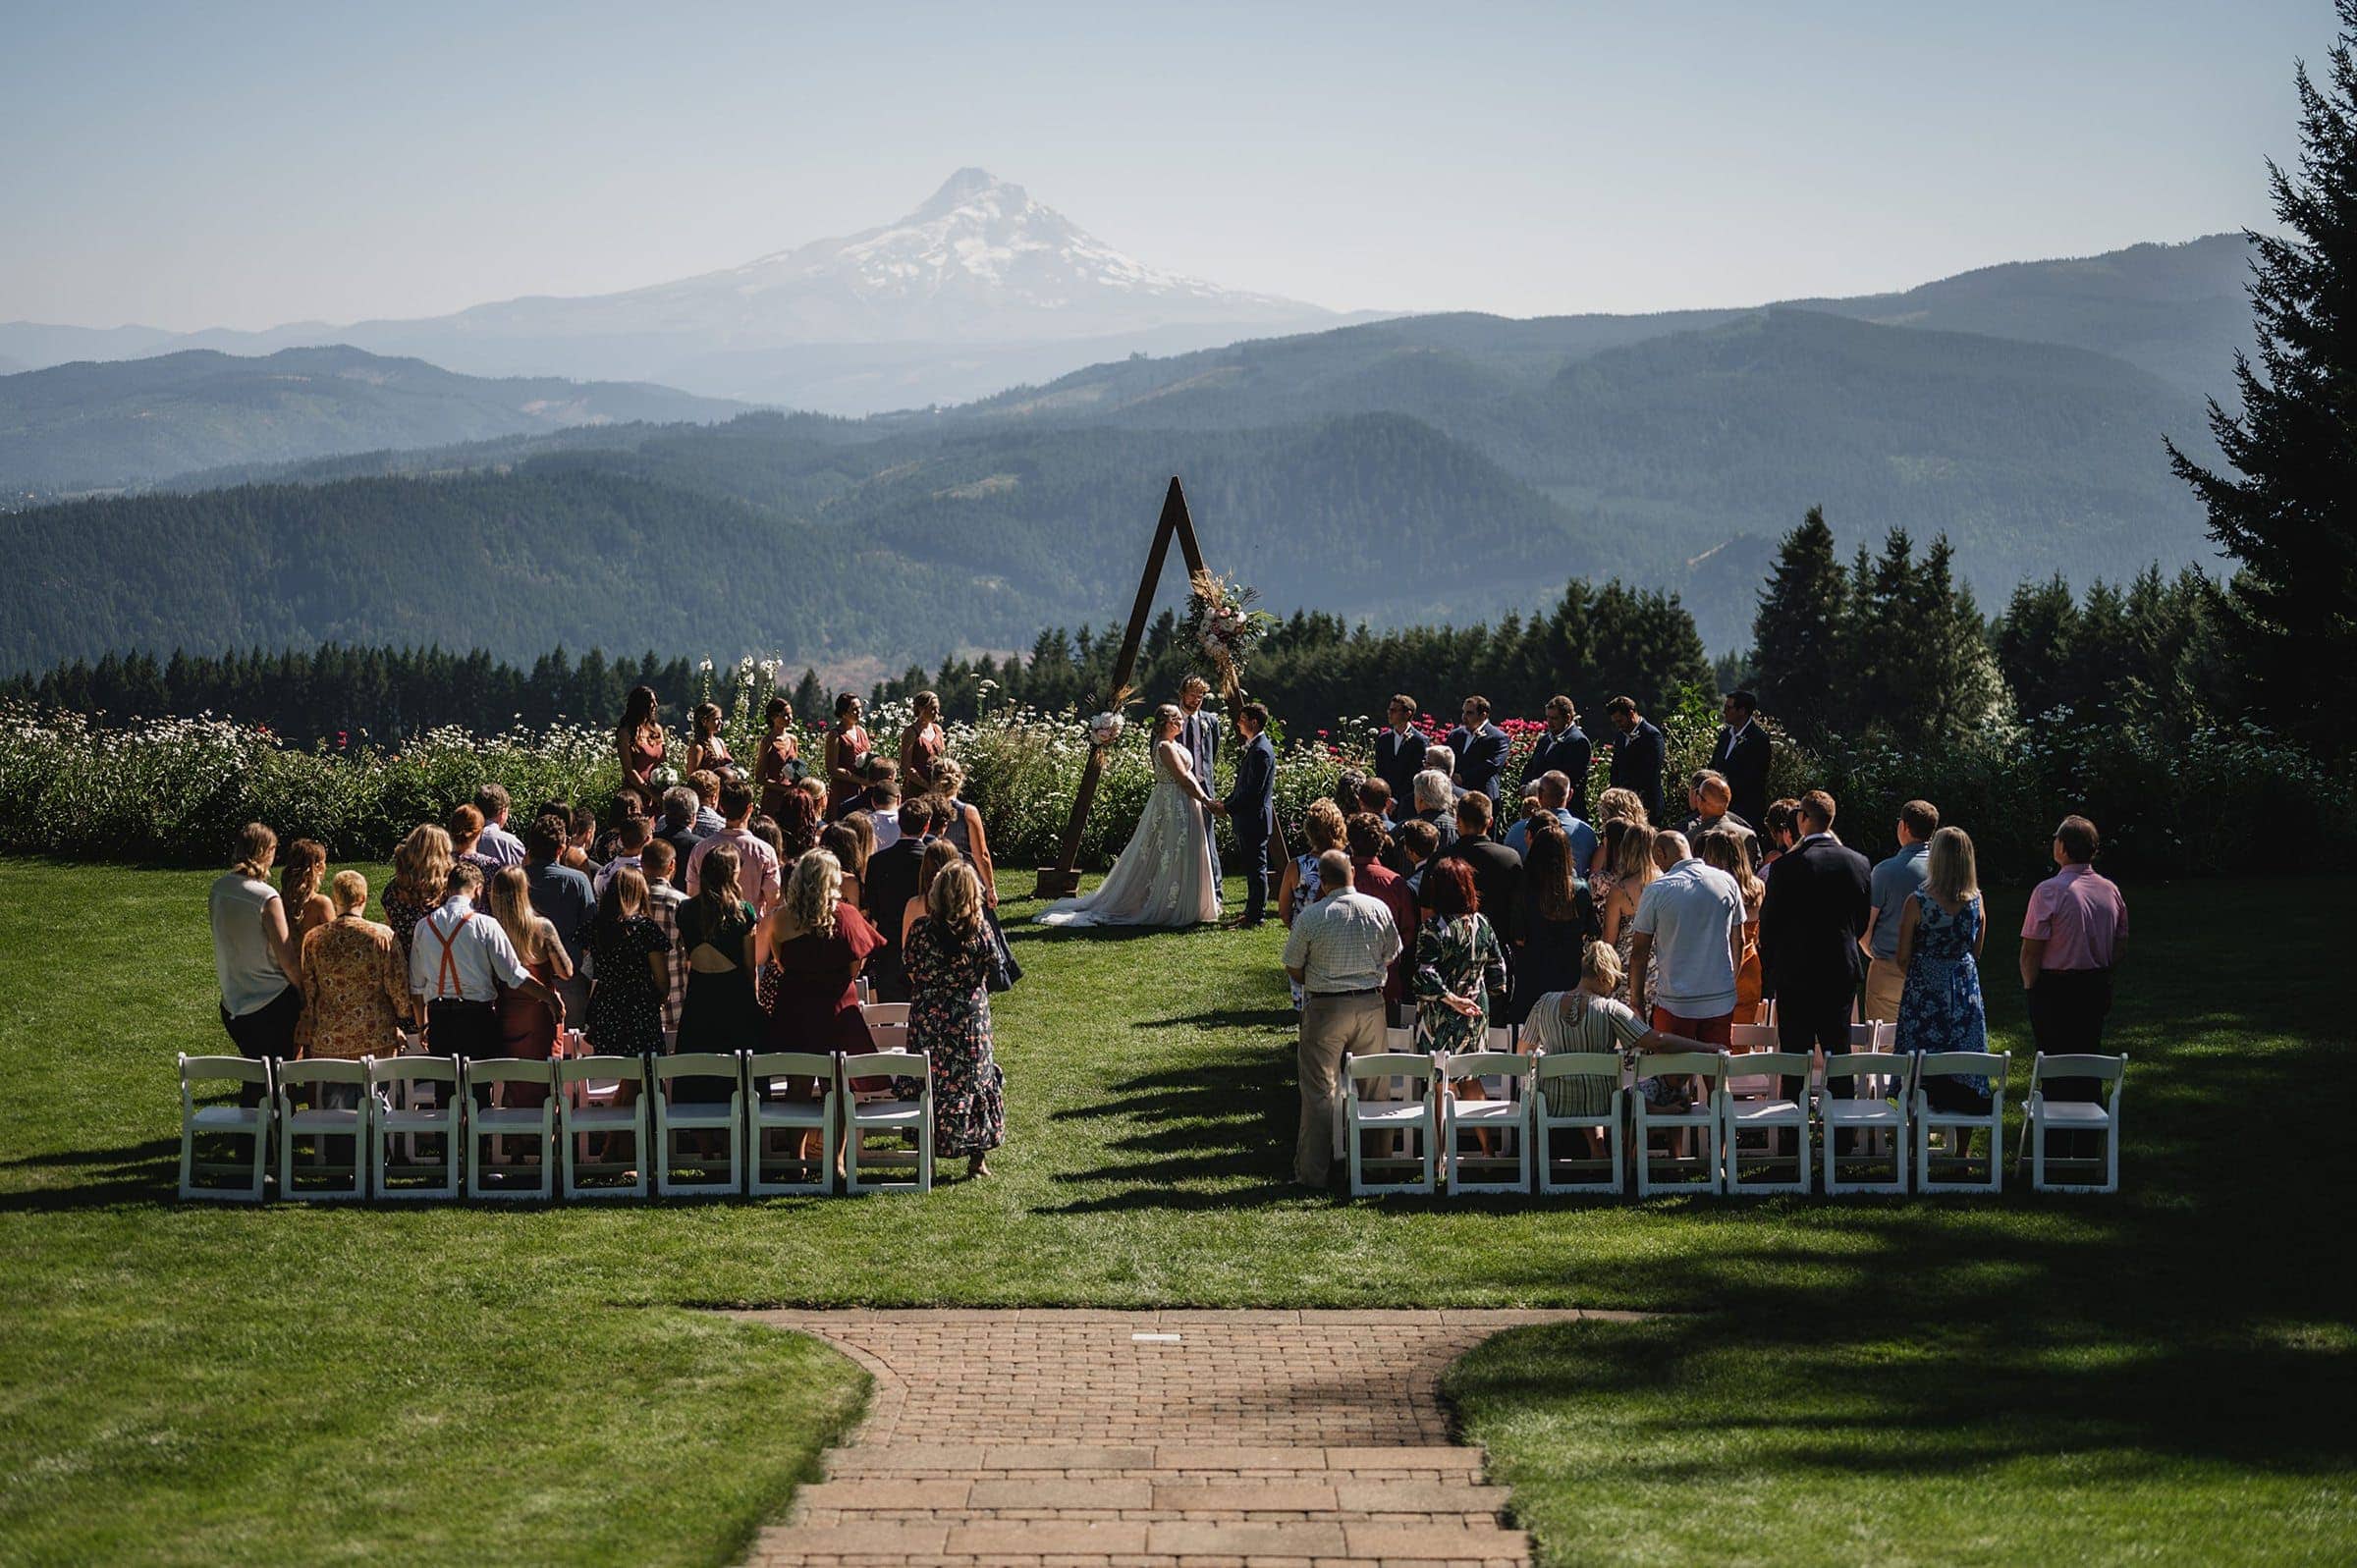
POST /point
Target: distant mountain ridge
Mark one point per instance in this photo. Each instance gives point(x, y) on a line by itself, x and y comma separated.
point(87, 427)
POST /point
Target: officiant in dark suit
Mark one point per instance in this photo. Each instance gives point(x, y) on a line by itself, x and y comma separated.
point(1250, 808)
point(1480, 749)
point(1400, 752)
point(1199, 734)
point(1741, 757)
point(1563, 749)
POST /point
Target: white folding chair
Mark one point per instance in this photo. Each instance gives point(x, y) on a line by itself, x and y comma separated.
point(604, 1098)
point(1417, 1118)
point(398, 1109)
point(301, 1114)
point(1959, 1127)
point(1553, 1076)
point(886, 1024)
point(200, 1176)
point(1756, 1103)
point(1865, 1114)
point(496, 1129)
point(699, 1116)
point(1697, 1172)
point(2041, 1115)
point(791, 1119)
point(887, 1114)
point(1506, 1116)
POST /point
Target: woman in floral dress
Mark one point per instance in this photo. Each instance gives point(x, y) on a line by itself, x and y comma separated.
point(947, 960)
point(1940, 938)
point(1459, 961)
point(629, 957)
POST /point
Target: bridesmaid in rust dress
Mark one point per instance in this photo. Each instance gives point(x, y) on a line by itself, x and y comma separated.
point(848, 745)
point(777, 768)
point(921, 746)
point(638, 739)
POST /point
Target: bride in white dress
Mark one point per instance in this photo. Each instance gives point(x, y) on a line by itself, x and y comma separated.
point(1165, 875)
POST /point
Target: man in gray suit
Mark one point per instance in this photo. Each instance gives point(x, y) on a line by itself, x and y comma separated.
point(1199, 734)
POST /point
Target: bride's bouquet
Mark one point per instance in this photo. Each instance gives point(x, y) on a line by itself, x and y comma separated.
point(1223, 627)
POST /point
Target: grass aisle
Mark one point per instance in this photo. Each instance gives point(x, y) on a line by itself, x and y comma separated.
point(2158, 1375)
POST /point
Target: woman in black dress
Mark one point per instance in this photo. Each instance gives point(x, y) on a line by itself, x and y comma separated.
point(631, 956)
point(1558, 919)
point(716, 943)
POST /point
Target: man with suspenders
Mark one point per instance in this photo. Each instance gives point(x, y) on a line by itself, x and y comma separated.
point(459, 957)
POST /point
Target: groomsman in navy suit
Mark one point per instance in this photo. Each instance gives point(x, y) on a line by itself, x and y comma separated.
point(1400, 752)
point(1250, 808)
point(1480, 749)
point(1199, 734)
point(1563, 749)
point(1638, 756)
point(1740, 756)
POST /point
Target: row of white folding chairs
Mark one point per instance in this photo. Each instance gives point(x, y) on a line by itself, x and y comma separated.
point(1414, 1099)
point(497, 1150)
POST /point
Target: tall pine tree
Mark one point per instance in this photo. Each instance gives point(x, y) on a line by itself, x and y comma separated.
point(1796, 633)
point(2288, 512)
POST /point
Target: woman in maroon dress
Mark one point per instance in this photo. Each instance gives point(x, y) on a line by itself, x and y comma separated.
point(848, 749)
point(810, 949)
point(777, 767)
point(638, 739)
point(527, 1026)
point(921, 746)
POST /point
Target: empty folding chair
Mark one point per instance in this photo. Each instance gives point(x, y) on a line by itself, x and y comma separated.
point(1575, 1093)
point(701, 1115)
point(1505, 1114)
point(1699, 1171)
point(1756, 1106)
point(311, 1092)
point(788, 1119)
point(1864, 1115)
point(1945, 1167)
point(1416, 1117)
point(201, 1174)
point(496, 1167)
point(401, 1108)
point(2043, 1114)
point(887, 1113)
point(603, 1098)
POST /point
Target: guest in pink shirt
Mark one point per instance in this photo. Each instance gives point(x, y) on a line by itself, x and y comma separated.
point(761, 873)
point(2072, 938)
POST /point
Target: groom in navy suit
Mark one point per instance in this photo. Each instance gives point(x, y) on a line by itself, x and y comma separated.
point(1251, 808)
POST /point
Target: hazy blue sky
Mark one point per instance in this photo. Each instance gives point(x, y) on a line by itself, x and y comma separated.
point(191, 166)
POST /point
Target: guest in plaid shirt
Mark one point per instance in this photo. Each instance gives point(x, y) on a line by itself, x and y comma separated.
point(662, 908)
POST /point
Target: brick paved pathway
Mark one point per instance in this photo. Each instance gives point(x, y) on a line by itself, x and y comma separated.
point(1151, 1440)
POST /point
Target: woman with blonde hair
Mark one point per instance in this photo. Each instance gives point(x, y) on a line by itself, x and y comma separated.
point(1323, 827)
point(1592, 1017)
point(965, 827)
point(948, 959)
point(255, 957)
point(1632, 871)
point(1731, 851)
point(921, 746)
point(529, 1026)
point(940, 854)
point(705, 747)
point(818, 942)
point(1614, 805)
point(420, 873)
point(1941, 930)
point(355, 987)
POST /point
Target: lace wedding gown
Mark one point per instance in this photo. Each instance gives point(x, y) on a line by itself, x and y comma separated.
point(1165, 875)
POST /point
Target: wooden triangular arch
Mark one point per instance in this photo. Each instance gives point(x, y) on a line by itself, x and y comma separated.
point(1063, 878)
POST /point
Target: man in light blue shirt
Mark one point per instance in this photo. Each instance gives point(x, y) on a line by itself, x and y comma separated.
point(1895, 880)
point(1555, 795)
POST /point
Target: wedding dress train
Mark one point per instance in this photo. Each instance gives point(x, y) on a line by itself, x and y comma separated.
point(1164, 876)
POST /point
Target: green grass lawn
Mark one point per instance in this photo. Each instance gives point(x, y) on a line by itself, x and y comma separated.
point(2161, 1376)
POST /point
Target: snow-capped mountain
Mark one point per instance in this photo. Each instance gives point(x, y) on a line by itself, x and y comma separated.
point(979, 289)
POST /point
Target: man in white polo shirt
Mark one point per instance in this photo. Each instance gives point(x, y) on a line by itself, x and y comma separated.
point(1340, 948)
point(459, 956)
point(1691, 916)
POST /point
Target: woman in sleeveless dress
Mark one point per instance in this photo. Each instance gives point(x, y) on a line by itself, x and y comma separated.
point(527, 1026)
point(921, 746)
point(1322, 828)
point(1165, 875)
point(638, 739)
point(706, 750)
point(848, 749)
point(1939, 935)
point(1559, 920)
point(949, 959)
point(778, 764)
point(1723, 850)
point(716, 943)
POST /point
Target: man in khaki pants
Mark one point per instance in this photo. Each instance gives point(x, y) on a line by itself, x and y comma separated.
point(1895, 883)
point(1338, 952)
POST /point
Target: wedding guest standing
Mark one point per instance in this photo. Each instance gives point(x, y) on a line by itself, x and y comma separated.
point(1323, 829)
point(1892, 888)
point(420, 873)
point(638, 739)
point(1557, 922)
point(1940, 938)
point(664, 900)
point(1819, 896)
point(1459, 962)
point(762, 874)
point(1563, 749)
point(1497, 870)
point(965, 828)
point(1371, 874)
point(818, 942)
point(1777, 834)
point(707, 748)
point(1638, 755)
point(949, 961)
point(1250, 808)
point(299, 879)
point(499, 847)
point(1553, 791)
point(466, 825)
point(1335, 957)
point(630, 958)
point(1729, 852)
point(1692, 917)
point(848, 751)
point(1399, 749)
point(529, 1026)
point(1711, 801)
point(922, 744)
point(2073, 936)
point(678, 825)
point(716, 948)
point(1740, 756)
point(892, 876)
point(778, 764)
point(355, 988)
point(1633, 870)
point(843, 840)
point(254, 955)
point(458, 958)
point(1480, 747)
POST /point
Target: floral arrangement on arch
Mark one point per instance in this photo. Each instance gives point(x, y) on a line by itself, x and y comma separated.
point(1105, 728)
point(1223, 627)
